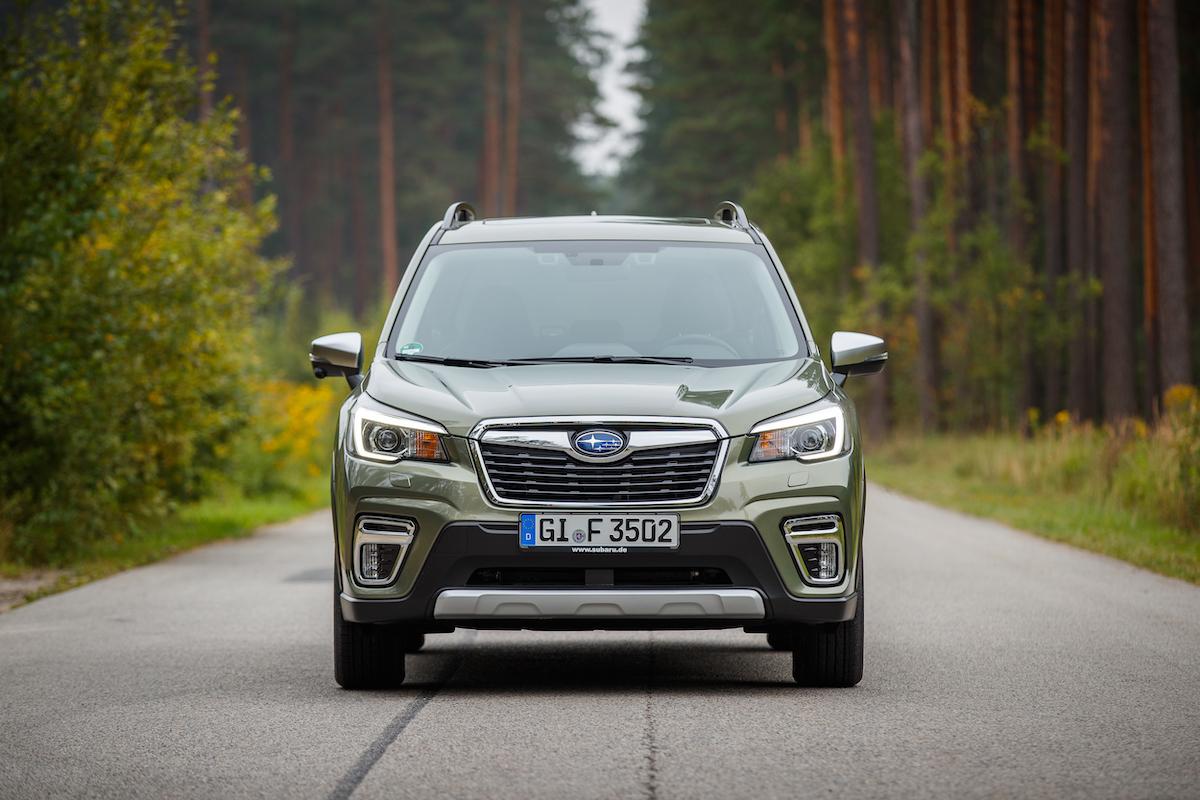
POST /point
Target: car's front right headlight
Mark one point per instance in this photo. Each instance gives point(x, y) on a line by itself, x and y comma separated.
point(808, 437)
point(383, 437)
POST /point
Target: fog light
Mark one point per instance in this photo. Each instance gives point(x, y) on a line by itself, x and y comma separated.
point(817, 544)
point(377, 559)
point(826, 561)
point(380, 544)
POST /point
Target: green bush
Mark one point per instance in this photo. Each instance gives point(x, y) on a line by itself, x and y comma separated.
point(128, 277)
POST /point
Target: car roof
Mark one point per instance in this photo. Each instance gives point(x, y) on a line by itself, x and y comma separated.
point(598, 227)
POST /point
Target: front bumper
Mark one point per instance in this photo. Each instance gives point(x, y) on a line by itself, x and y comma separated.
point(597, 590)
point(542, 604)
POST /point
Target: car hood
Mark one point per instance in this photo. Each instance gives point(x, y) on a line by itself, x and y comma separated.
point(460, 397)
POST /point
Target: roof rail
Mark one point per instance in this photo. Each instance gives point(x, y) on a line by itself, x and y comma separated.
point(730, 213)
point(457, 215)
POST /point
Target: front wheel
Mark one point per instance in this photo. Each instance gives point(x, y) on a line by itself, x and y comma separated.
point(368, 656)
point(830, 654)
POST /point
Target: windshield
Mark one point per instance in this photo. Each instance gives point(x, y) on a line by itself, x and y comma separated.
point(620, 301)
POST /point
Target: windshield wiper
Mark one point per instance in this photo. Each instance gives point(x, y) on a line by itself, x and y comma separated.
point(477, 363)
point(604, 360)
point(484, 363)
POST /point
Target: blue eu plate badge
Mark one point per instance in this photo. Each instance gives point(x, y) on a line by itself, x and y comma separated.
point(528, 530)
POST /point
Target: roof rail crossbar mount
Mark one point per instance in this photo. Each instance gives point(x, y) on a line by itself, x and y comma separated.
point(457, 215)
point(732, 214)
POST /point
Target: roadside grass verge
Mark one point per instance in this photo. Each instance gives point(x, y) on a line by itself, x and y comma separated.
point(230, 515)
point(1082, 487)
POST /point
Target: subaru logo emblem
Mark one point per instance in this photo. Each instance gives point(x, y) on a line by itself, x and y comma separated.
point(599, 443)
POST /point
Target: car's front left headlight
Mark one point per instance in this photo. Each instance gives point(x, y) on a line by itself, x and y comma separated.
point(808, 437)
point(383, 437)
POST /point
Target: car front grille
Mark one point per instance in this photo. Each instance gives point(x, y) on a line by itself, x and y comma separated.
point(671, 474)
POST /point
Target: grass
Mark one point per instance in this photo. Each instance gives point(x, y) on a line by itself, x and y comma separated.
point(228, 516)
point(1080, 488)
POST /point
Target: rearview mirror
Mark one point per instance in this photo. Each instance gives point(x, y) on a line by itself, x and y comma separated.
point(856, 354)
point(338, 354)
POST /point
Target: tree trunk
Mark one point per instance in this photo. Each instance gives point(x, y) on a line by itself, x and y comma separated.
point(1114, 25)
point(1150, 387)
point(289, 197)
point(946, 76)
point(1168, 207)
point(358, 237)
point(862, 134)
point(387, 158)
point(1028, 67)
point(945, 43)
point(1014, 129)
point(203, 55)
point(1191, 192)
point(490, 202)
point(865, 184)
point(804, 133)
point(962, 73)
point(512, 110)
point(833, 93)
point(1093, 311)
point(906, 12)
point(1014, 192)
point(1052, 199)
point(928, 58)
point(877, 70)
point(782, 138)
point(244, 139)
point(1075, 38)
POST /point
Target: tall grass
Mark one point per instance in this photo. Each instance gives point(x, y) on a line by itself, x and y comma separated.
point(1130, 490)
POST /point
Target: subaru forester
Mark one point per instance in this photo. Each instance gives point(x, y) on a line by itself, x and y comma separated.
point(597, 422)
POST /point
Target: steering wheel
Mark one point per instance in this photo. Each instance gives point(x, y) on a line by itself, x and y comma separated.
point(701, 338)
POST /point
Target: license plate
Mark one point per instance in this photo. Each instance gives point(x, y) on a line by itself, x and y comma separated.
point(603, 533)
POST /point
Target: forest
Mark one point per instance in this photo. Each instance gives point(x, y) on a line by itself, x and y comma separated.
point(373, 117)
point(1007, 190)
point(1028, 166)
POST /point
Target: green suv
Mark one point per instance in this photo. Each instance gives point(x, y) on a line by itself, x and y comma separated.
point(597, 423)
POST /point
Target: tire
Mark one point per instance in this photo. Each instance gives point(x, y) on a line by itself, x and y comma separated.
point(830, 654)
point(779, 639)
point(367, 656)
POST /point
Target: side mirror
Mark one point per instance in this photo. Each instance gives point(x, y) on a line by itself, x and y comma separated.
point(338, 354)
point(856, 354)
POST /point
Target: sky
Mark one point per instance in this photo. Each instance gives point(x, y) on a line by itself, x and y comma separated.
point(619, 19)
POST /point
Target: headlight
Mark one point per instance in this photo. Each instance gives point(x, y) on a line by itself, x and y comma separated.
point(807, 437)
point(380, 437)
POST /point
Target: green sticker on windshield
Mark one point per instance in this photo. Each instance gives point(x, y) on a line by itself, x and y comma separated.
point(411, 349)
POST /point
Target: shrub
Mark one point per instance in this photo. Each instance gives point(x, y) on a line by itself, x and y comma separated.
point(289, 436)
point(1150, 471)
point(128, 277)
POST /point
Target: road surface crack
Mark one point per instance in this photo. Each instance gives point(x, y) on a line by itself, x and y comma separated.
point(358, 773)
point(649, 732)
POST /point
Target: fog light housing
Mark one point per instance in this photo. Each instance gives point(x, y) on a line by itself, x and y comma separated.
point(818, 546)
point(380, 545)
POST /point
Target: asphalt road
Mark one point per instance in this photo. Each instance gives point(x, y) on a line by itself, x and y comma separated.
point(998, 664)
